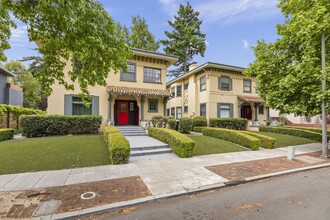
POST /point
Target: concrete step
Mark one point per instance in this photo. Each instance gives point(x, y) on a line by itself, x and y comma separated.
point(133, 132)
point(131, 129)
point(150, 152)
point(137, 134)
point(144, 148)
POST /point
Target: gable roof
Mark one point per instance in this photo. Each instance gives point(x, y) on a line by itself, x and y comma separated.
point(6, 72)
point(208, 65)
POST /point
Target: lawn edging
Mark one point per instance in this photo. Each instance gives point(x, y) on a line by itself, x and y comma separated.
point(181, 145)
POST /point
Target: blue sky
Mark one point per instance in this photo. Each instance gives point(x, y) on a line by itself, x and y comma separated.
point(231, 26)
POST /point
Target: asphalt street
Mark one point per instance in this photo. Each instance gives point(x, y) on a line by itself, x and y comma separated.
point(300, 196)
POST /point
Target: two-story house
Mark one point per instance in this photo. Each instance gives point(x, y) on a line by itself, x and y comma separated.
point(130, 98)
point(10, 94)
point(216, 90)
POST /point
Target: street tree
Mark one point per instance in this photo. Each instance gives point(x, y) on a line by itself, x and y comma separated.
point(186, 39)
point(289, 70)
point(79, 33)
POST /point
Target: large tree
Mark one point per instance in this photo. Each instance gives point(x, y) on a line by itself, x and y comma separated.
point(139, 35)
point(31, 87)
point(289, 70)
point(78, 33)
point(186, 38)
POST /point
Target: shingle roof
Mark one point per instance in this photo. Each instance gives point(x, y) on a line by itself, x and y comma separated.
point(6, 72)
point(251, 99)
point(138, 91)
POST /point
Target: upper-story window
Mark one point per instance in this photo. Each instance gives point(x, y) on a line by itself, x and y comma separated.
point(225, 83)
point(186, 85)
point(247, 84)
point(152, 75)
point(173, 91)
point(130, 75)
point(179, 91)
point(202, 83)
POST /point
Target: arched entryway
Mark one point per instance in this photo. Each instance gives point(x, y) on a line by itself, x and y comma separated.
point(246, 111)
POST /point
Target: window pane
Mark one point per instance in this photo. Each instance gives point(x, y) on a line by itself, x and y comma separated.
point(203, 110)
point(178, 112)
point(80, 109)
point(152, 75)
point(130, 74)
point(186, 85)
point(173, 112)
point(185, 109)
point(225, 113)
point(153, 105)
point(178, 90)
point(203, 83)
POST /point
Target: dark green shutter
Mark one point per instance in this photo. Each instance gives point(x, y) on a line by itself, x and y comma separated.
point(218, 110)
point(95, 105)
point(231, 111)
point(219, 82)
point(231, 84)
point(67, 104)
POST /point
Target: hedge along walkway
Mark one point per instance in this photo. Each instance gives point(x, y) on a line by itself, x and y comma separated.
point(283, 140)
point(52, 153)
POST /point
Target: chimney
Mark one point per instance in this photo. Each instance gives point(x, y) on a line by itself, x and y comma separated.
point(193, 65)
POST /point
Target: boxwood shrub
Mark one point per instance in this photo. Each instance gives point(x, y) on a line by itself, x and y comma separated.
point(318, 130)
point(185, 124)
point(199, 121)
point(172, 124)
point(198, 129)
point(6, 133)
point(117, 144)
point(266, 141)
point(229, 123)
point(181, 145)
point(233, 136)
point(45, 125)
point(315, 136)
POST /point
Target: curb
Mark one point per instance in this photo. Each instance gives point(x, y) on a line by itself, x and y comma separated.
point(149, 199)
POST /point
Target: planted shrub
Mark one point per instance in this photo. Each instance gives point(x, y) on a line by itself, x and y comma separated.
point(170, 117)
point(229, 123)
point(266, 141)
point(181, 145)
point(199, 121)
point(172, 124)
point(159, 121)
point(198, 129)
point(317, 130)
point(46, 125)
point(6, 133)
point(233, 136)
point(185, 124)
point(117, 144)
point(315, 136)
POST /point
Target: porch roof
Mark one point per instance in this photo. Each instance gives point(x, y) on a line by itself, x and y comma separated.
point(138, 91)
point(251, 99)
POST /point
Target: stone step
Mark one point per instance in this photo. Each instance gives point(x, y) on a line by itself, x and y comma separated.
point(144, 148)
point(139, 134)
point(150, 152)
point(133, 133)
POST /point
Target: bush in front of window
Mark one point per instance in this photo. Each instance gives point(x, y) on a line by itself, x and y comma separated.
point(315, 136)
point(47, 125)
point(199, 121)
point(185, 124)
point(181, 145)
point(6, 133)
point(233, 136)
point(266, 141)
point(158, 121)
point(172, 124)
point(229, 123)
point(117, 144)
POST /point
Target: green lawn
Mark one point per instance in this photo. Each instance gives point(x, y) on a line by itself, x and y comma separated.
point(210, 145)
point(283, 140)
point(52, 153)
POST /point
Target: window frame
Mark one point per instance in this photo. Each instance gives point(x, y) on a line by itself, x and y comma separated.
point(230, 84)
point(200, 83)
point(173, 111)
point(177, 92)
point(173, 91)
point(149, 102)
point(152, 68)
point(81, 103)
point(176, 112)
point(200, 109)
point(219, 108)
point(263, 109)
point(250, 87)
point(185, 109)
point(121, 73)
point(186, 86)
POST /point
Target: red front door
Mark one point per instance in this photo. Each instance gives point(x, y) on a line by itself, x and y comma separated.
point(122, 109)
point(247, 112)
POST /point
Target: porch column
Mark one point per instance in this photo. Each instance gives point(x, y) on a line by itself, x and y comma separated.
point(142, 107)
point(165, 101)
point(268, 114)
point(256, 104)
point(109, 107)
point(240, 103)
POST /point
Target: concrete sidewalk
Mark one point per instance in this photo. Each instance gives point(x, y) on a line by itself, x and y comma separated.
point(162, 177)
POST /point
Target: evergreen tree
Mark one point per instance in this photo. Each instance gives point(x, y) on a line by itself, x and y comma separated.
point(186, 39)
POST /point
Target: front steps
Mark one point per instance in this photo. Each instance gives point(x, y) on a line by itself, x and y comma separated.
point(132, 131)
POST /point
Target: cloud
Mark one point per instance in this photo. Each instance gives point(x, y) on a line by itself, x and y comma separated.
point(19, 33)
point(246, 44)
point(235, 10)
point(171, 6)
point(207, 43)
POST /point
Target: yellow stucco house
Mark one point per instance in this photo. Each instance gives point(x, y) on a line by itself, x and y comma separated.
point(216, 91)
point(130, 98)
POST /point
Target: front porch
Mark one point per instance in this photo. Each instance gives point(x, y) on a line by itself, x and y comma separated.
point(253, 109)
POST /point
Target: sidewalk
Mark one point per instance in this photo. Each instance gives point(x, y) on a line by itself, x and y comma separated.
point(164, 178)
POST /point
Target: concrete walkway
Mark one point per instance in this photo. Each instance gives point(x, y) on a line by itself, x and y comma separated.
point(162, 177)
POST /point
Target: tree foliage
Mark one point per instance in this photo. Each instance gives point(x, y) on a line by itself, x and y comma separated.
point(289, 70)
point(31, 87)
point(78, 34)
point(186, 39)
point(138, 35)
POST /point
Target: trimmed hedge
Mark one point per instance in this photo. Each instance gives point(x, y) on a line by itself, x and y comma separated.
point(294, 132)
point(233, 136)
point(46, 125)
point(185, 124)
point(229, 123)
point(6, 133)
point(172, 123)
point(117, 144)
point(266, 141)
point(199, 121)
point(18, 110)
point(318, 130)
point(181, 145)
point(198, 129)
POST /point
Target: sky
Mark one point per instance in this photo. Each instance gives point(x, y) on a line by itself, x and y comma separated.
point(231, 26)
